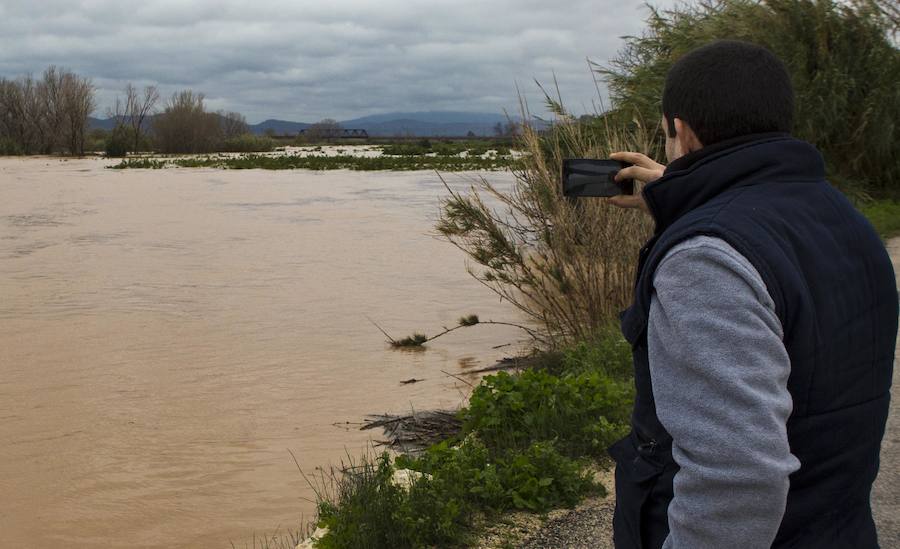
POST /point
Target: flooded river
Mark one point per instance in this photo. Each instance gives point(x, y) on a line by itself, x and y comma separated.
point(166, 336)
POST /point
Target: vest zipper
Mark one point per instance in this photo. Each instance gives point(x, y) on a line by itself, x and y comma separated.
point(650, 446)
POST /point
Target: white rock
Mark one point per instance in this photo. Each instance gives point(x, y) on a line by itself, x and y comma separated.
point(310, 542)
point(404, 478)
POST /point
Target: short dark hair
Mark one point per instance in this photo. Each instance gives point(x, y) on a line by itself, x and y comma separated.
point(729, 88)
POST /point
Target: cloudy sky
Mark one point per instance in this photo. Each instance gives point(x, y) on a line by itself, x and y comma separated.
point(307, 60)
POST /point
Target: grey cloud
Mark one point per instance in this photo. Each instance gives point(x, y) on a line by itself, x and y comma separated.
point(305, 60)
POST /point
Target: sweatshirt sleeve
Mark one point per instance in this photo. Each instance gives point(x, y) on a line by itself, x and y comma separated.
point(719, 373)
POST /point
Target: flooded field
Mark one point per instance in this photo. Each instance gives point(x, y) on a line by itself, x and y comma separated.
point(166, 336)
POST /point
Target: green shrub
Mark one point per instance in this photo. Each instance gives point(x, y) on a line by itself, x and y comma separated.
point(365, 509)
point(468, 478)
point(843, 66)
point(582, 413)
point(118, 143)
point(9, 147)
point(609, 353)
point(525, 444)
point(248, 143)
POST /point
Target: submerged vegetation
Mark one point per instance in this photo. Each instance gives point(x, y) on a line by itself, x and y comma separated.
point(422, 147)
point(324, 162)
point(424, 154)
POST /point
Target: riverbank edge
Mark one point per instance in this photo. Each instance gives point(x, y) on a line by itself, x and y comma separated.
point(588, 524)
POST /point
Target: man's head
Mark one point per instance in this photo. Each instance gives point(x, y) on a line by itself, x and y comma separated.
point(723, 90)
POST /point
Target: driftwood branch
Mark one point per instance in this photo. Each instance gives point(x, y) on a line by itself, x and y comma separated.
point(417, 340)
point(414, 432)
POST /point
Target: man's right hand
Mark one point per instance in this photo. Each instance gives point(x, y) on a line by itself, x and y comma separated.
point(644, 170)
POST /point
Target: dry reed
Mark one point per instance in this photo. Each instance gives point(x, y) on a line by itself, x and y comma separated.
point(568, 265)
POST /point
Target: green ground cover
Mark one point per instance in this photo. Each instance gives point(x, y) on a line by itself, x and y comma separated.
point(527, 443)
point(884, 215)
point(448, 147)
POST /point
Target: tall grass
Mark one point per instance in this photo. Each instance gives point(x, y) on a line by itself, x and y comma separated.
point(568, 266)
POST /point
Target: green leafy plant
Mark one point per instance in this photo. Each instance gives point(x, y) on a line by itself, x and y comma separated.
point(118, 142)
point(468, 477)
point(9, 147)
point(582, 414)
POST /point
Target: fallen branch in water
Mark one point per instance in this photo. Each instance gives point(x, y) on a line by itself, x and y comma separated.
point(419, 339)
point(410, 380)
point(457, 378)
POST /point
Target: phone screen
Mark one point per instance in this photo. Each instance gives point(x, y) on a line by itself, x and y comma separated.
point(585, 177)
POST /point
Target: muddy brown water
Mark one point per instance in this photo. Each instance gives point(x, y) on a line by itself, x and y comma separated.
point(167, 336)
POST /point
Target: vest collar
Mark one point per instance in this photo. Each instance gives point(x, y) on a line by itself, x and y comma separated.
point(700, 176)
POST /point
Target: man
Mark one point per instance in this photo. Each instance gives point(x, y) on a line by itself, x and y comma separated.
point(763, 327)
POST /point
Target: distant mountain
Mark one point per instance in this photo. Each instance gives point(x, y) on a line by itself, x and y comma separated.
point(428, 123)
point(418, 124)
point(101, 123)
point(280, 127)
point(431, 117)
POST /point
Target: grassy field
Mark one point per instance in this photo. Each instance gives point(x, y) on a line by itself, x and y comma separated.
point(884, 215)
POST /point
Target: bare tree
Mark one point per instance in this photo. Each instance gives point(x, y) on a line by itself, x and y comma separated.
point(36, 132)
point(22, 119)
point(234, 124)
point(12, 115)
point(324, 129)
point(51, 96)
point(140, 107)
point(41, 115)
point(132, 113)
point(78, 103)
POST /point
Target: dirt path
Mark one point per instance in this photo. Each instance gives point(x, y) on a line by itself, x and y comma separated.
point(886, 493)
point(589, 525)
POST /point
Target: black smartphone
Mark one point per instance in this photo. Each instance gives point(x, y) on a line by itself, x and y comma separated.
point(593, 177)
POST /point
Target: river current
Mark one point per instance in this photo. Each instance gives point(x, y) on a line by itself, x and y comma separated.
point(167, 336)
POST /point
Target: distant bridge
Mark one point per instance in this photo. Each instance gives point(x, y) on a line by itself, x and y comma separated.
point(335, 133)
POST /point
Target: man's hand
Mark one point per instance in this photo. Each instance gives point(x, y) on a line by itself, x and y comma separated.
point(644, 170)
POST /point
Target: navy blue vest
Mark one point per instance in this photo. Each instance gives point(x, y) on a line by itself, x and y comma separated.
point(835, 293)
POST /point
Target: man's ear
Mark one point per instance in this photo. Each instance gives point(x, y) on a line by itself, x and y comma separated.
point(686, 137)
